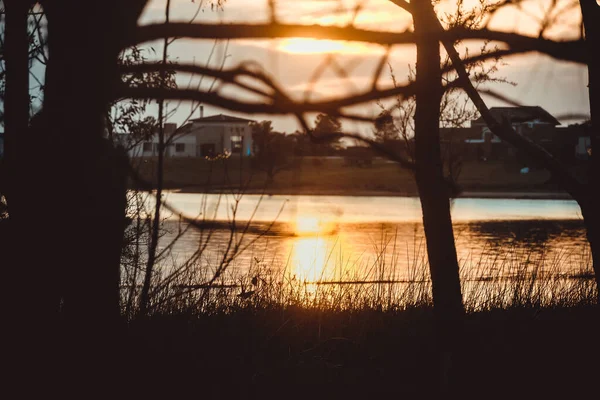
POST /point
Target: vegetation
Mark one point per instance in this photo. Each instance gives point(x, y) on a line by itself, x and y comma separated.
point(273, 151)
point(370, 339)
point(335, 176)
point(75, 311)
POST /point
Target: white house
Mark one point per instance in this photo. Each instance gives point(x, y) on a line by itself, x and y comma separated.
point(201, 137)
point(179, 144)
point(221, 133)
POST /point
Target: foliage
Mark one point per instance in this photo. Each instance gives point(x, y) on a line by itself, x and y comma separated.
point(129, 116)
point(273, 151)
point(385, 129)
point(327, 124)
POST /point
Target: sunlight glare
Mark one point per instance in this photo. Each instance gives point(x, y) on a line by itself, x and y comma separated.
point(316, 46)
point(308, 225)
point(309, 259)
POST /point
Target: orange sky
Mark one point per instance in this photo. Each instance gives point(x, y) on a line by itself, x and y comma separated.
point(558, 87)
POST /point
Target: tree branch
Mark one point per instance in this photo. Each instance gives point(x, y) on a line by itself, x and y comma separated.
point(504, 129)
point(569, 50)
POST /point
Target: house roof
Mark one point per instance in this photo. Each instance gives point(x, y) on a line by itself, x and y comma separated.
point(221, 118)
point(520, 114)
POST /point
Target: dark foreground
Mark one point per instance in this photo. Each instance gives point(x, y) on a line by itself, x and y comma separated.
point(257, 354)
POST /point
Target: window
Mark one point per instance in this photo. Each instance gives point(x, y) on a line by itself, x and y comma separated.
point(147, 147)
point(179, 147)
point(236, 144)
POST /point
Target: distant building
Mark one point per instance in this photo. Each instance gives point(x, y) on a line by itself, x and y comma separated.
point(477, 141)
point(201, 137)
point(524, 119)
point(221, 133)
point(178, 144)
point(582, 135)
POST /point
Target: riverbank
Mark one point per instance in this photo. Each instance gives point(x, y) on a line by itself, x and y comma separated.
point(332, 177)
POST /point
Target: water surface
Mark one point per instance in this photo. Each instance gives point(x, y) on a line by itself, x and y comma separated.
point(361, 238)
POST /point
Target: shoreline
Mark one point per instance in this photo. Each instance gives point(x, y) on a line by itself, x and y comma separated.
point(472, 194)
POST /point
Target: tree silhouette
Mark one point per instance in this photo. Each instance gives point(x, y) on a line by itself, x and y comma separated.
point(273, 150)
point(74, 271)
point(326, 126)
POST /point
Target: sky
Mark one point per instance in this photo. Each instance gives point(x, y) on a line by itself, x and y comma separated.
point(559, 87)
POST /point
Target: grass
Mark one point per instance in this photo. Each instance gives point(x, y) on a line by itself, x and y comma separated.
point(530, 332)
point(521, 275)
point(259, 348)
point(514, 281)
point(331, 176)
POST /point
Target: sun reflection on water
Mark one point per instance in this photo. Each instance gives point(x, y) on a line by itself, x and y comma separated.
point(310, 258)
point(315, 251)
point(308, 225)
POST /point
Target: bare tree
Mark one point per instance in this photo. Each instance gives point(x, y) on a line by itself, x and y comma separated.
point(83, 176)
point(273, 150)
point(582, 191)
point(433, 192)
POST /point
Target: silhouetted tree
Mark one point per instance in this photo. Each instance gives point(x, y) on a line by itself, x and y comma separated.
point(272, 150)
point(327, 126)
point(433, 192)
point(385, 129)
point(63, 155)
point(583, 192)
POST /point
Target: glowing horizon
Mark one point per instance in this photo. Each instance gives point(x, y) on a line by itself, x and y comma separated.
point(317, 46)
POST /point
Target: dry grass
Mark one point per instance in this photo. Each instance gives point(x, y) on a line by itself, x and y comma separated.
point(529, 333)
point(330, 175)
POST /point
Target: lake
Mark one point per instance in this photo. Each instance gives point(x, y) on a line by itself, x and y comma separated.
point(341, 239)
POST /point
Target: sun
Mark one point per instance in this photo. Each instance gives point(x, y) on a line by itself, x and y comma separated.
point(315, 46)
point(308, 225)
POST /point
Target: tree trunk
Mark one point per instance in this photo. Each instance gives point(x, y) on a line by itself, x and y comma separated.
point(16, 121)
point(69, 197)
point(85, 179)
point(20, 294)
point(154, 237)
point(590, 208)
point(591, 219)
point(433, 191)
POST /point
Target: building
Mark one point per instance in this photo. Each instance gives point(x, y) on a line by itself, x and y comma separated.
point(178, 143)
point(220, 134)
point(201, 137)
point(582, 135)
point(533, 122)
point(524, 119)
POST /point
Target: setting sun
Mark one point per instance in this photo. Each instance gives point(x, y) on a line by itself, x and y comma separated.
point(308, 225)
point(311, 46)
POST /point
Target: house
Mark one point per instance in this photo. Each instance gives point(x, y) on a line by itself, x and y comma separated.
point(478, 142)
point(201, 137)
point(582, 136)
point(220, 134)
point(524, 119)
point(178, 143)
